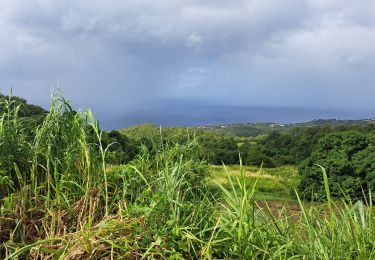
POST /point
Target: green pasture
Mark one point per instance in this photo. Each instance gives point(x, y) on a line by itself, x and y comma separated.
point(271, 183)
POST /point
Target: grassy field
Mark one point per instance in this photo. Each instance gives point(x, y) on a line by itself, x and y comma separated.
point(59, 200)
point(272, 183)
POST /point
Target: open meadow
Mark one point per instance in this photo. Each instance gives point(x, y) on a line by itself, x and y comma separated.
point(277, 184)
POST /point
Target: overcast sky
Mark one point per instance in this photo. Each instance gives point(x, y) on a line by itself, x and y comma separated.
point(141, 58)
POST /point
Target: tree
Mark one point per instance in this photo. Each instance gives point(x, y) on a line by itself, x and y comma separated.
point(255, 156)
point(348, 157)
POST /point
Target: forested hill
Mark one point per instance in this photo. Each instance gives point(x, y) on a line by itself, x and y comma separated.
point(252, 129)
point(256, 129)
point(270, 144)
point(26, 109)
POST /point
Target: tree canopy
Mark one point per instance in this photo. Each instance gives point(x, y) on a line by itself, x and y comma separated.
point(348, 157)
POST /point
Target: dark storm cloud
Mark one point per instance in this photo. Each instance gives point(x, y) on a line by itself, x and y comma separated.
point(122, 57)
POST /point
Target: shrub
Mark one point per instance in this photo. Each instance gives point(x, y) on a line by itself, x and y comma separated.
point(349, 158)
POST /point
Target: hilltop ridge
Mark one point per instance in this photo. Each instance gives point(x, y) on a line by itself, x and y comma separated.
point(26, 109)
point(250, 129)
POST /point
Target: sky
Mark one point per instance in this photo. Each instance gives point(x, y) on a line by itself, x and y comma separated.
point(193, 62)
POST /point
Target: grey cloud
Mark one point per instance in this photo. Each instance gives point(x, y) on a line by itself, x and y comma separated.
point(120, 56)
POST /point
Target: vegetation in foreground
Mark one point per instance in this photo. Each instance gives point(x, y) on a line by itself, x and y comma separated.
point(60, 200)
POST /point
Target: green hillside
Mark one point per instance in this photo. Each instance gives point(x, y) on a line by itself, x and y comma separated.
point(25, 109)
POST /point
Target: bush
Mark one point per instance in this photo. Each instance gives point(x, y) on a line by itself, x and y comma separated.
point(349, 158)
point(256, 157)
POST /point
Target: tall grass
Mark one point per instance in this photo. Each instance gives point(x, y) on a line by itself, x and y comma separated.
point(51, 175)
point(336, 230)
point(60, 200)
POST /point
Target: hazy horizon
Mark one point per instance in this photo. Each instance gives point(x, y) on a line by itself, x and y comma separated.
point(173, 114)
point(168, 120)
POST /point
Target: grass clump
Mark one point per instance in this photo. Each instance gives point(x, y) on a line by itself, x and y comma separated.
point(58, 197)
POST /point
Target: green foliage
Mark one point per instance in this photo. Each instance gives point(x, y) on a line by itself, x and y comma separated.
point(276, 183)
point(258, 129)
point(121, 149)
point(14, 135)
point(46, 156)
point(349, 160)
point(275, 148)
point(256, 156)
point(292, 147)
point(216, 148)
point(24, 109)
point(177, 196)
point(245, 230)
point(60, 200)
